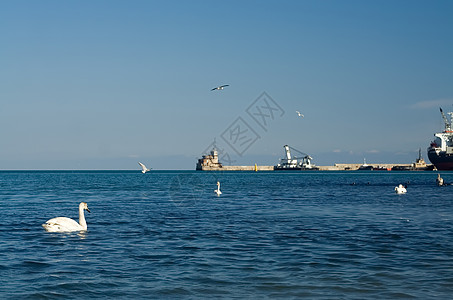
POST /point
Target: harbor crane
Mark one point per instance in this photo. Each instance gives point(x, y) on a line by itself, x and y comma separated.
point(447, 123)
point(294, 162)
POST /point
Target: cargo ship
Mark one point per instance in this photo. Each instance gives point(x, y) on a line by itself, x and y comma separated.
point(440, 152)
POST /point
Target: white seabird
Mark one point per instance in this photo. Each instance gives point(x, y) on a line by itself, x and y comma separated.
point(63, 224)
point(439, 180)
point(220, 87)
point(144, 168)
point(299, 114)
point(217, 191)
point(400, 189)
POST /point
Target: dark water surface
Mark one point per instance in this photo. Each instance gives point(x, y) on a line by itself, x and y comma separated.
point(166, 234)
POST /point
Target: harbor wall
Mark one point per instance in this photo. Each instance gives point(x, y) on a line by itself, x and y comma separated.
point(335, 167)
point(239, 168)
point(210, 162)
point(352, 167)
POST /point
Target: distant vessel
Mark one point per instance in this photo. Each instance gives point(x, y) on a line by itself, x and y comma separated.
point(290, 162)
point(440, 152)
point(365, 166)
point(418, 165)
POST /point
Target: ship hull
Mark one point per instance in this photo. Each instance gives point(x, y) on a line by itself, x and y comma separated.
point(287, 169)
point(441, 161)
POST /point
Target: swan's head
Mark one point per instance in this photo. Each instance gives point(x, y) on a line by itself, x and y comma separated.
point(84, 206)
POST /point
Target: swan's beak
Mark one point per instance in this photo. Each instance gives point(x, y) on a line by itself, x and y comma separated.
point(88, 210)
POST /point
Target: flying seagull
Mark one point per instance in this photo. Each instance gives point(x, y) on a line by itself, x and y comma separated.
point(299, 114)
point(220, 87)
point(144, 168)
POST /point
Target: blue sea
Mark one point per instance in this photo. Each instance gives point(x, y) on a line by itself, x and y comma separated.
point(167, 235)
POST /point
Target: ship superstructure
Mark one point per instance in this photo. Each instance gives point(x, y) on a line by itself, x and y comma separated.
point(440, 152)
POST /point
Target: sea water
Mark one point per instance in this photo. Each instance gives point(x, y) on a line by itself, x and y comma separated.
point(166, 234)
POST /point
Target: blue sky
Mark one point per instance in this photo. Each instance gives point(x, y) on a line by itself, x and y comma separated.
point(104, 84)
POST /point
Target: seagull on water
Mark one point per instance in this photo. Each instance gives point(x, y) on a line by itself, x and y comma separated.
point(220, 87)
point(299, 114)
point(144, 168)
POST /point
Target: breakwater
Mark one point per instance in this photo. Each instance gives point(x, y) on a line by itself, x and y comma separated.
point(210, 162)
point(335, 167)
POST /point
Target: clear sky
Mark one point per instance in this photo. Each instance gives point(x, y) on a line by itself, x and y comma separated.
point(104, 84)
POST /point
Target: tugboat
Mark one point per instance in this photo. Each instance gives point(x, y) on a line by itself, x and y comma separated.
point(440, 152)
point(418, 165)
point(290, 162)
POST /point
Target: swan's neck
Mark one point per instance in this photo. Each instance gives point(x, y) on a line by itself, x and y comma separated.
point(82, 221)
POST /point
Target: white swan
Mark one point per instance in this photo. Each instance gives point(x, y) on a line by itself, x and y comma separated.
point(217, 191)
point(144, 168)
point(63, 224)
point(439, 180)
point(400, 189)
